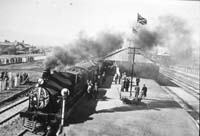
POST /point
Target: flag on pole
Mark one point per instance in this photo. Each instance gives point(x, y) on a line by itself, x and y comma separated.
point(141, 20)
point(134, 30)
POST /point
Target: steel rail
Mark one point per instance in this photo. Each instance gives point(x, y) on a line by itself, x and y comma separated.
point(21, 133)
point(12, 106)
point(187, 80)
point(183, 84)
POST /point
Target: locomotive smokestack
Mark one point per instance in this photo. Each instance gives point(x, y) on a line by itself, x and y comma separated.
point(46, 73)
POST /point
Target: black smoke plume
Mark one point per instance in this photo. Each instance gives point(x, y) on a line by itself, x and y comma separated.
point(84, 48)
point(171, 32)
point(59, 57)
point(104, 43)
point(147, 39)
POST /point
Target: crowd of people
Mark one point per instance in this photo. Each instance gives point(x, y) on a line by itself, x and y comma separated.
point(125, 82)
point(98, 82)
point(123, 79)
point(9, 80)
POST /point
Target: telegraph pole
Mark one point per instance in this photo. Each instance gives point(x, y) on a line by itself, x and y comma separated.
point(132, 70)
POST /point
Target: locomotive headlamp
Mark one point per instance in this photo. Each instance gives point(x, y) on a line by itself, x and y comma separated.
point(40, 81)
point(65, 91)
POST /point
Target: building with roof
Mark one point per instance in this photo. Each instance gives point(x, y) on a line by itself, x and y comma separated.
point(143, 66)
point(10, 48)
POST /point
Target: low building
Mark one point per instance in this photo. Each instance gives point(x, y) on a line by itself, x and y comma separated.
point(143, 66)
point(12, 48)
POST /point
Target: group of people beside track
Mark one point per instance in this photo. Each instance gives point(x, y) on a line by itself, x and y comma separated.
point(93, 86)
point(92, 90)
point(9, 80)
point(125, 82)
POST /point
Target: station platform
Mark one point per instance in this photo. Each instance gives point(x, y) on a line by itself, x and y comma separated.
point(157, 115)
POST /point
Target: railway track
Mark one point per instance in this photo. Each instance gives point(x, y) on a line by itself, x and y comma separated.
point(186, 84)
point(12, 110)
point(25, 132)
point(189, 89)
point(192, 81)
point(22, 132)
point(190, 76)
point(9, 96)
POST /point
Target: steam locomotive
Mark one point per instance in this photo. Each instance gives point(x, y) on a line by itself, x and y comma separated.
point(53, 97)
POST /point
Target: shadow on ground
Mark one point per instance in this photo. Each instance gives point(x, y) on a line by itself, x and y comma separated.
point(85, 108)
point(151, 105)
point(164, 81)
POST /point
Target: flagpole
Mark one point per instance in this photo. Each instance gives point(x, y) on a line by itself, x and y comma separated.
point(132, 66)
point(143, 21)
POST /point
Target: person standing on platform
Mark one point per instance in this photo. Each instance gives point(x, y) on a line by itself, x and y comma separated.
point(89, 89)
point(118, 75)
point(144, 91)
point(137, 81)
point(123, 82)
point(127, 84)
point(103, 79)
point(115, 78)
point(137, 91)
point(96, 90)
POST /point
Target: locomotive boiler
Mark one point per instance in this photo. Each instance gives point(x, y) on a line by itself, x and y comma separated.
point(54, 96)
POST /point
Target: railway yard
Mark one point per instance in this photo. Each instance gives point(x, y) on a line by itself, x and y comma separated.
point(171, 107)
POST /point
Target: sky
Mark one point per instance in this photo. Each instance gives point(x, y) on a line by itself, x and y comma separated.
point(58, 22)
